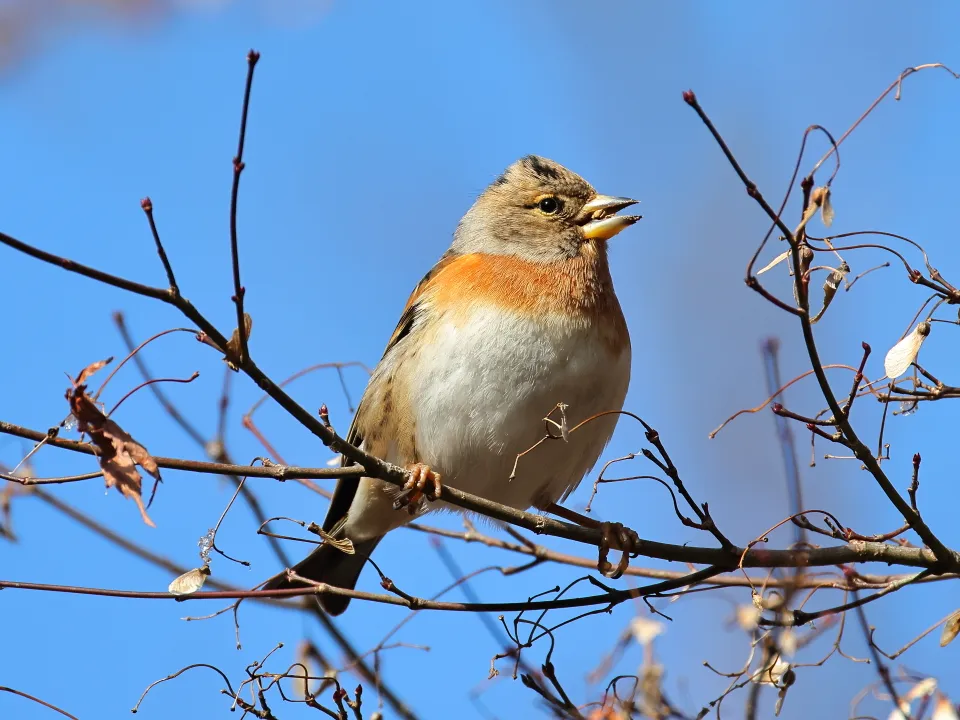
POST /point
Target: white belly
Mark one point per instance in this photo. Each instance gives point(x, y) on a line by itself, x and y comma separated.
point(483, 387)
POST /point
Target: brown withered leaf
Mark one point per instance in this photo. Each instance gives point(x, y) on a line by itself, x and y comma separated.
point(344, 545)
point(118, 453)
point(233, 344)
point(91, 369)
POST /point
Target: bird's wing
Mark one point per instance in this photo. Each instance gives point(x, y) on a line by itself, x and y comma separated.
point(347, 487)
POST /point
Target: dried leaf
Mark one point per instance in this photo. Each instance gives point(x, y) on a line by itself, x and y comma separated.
point(233, 344)
point(902, 355)
point(341, 544)
point(951, 628)
point(564, 427)
point(651, 691)
point(118, 453)
point(190, 581)
point(91, 369)
point(830, 287)
point(773, 263)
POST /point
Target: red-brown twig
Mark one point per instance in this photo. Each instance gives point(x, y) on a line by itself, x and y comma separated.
point(38, 701)
point(239, 291)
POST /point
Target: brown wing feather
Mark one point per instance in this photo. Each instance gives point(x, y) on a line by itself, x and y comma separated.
point(347, 487)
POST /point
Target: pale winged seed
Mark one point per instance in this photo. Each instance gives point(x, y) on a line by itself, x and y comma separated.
point(334, 461)
point(902, 355)
point(564, 427)
point(748, 617)
point(781, 696)
point(645, 630)
point(773, 674)
point(951, 628)
point(190, 581)
point(923, 688)
point(944, 710)
point(788, 642)
point(773, 263)
point(901, 712)
point(826, 210)
point(807, 216)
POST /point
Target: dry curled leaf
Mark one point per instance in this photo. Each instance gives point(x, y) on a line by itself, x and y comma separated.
point(830, 287)
point(233, 344)
point(651, 691)
point(902, 355)
point(90, 370)
point(341, 544)
point(117, 452)
point(190, 581)
point(951, 628)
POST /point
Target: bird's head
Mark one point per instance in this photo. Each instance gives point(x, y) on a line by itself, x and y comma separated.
point(542, 212)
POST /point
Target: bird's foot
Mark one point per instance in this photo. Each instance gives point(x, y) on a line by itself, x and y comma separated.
point(423, 482)
point(613, 535)
point(618, 537)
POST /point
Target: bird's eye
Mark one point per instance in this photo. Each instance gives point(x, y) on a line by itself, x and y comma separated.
point(548, 205)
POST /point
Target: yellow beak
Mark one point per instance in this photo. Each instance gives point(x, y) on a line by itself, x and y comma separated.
point(600, 223)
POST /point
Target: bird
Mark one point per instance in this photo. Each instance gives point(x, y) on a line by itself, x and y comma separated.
point(514, 334)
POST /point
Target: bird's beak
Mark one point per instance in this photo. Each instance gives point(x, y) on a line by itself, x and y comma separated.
point(599, 220)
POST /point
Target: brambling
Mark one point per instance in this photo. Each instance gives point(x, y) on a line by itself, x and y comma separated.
point(518, 317)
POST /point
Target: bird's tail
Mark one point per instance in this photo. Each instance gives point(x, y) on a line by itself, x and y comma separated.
point(329, 565)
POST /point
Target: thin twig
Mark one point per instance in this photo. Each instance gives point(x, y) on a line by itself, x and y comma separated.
point(252, 57)
point(147, 205)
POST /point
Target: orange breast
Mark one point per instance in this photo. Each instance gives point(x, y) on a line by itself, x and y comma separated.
point(579, 288)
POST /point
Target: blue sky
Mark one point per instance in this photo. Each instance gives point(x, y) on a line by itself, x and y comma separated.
point(373, 127)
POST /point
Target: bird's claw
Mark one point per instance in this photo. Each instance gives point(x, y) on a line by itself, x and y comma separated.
point(618, 537)
point(423, 482)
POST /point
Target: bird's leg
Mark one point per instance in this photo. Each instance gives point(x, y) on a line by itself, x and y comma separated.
point(423, 482)
point(613, 535)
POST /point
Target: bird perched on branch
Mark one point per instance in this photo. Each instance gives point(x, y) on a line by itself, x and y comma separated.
point(517, 321)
